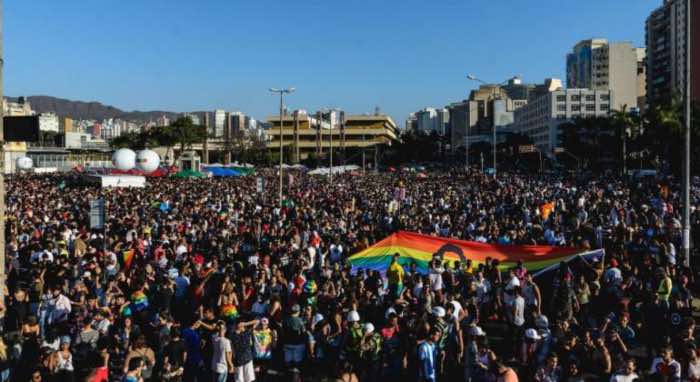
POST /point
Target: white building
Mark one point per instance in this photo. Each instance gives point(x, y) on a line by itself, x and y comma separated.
point(21, 108)
point(194, 117)
point(541, 118)
point(219, 123)
point(48, 122)
point(84, 141)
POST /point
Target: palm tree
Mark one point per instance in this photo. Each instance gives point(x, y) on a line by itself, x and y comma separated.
point(622, 122)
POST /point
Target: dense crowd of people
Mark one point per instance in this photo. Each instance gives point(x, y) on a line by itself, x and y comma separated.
point(209, 280)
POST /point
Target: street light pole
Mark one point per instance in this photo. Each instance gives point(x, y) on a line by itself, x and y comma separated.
point(2, 180)
point(686, 156)
point(281, 92)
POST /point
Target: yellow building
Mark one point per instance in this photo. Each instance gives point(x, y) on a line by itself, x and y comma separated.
point(68, 125)
point(301, 133)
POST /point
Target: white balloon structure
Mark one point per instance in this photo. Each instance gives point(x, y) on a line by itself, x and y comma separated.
point(124, 159)
point(25, 163)
point(147, 160)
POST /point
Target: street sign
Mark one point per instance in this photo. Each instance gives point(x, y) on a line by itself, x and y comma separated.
point(259, 184)
point(97, 213)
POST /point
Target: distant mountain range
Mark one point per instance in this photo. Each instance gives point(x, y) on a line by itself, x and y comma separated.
point(90, 110)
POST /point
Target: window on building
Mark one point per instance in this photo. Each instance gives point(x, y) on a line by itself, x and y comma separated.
point(561, 107)
point(590, 107)
point(590, 98)
point(561, 98)
point(604, 106)
point(576, 97)
point(605, 97)
point(575, 107)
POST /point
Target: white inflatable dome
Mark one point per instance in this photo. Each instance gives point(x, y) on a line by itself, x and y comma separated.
point(25, 163)
point(147, 160)
point(124, 159)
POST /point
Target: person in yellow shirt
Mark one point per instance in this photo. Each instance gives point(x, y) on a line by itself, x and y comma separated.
point(665, 286)
point(394, 275)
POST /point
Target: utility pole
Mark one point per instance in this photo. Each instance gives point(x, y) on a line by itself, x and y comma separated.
point(686, 156)
point(2, 174)
point(330, 168)
point(205, 148)
point(281, 92)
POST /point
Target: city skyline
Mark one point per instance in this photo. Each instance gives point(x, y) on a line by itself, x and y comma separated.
point(403, 59)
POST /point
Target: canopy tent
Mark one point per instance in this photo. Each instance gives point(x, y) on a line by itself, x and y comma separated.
point(240, 170)
point(334, 169)
point(189, 174)
point(419, 249)
point(222, 172)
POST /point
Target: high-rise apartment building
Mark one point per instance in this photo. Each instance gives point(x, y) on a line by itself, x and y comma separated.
point(219, 123)
point(541, 119)
point(666, 42)
point(597, 64)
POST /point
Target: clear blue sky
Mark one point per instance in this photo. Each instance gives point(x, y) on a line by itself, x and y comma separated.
point(403, 55)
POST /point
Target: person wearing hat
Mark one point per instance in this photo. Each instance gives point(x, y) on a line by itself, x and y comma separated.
point(353, 337)
point(474, 369)
point(528, 348)
point(294, 338)
point(371, 351)
point(438, 322)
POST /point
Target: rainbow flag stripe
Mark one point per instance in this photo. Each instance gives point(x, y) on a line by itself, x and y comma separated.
point(229, 312)
point(139, 300)
point(419, 249)
point(310, 287)
point(128, 258)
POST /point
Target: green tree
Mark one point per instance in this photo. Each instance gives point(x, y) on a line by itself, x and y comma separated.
point(185, 133)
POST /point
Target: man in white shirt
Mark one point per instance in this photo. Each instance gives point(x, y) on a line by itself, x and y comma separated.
point(336, 252)
point(59, 308)
point(626, 374)
point(516, 318)
point(221, 361)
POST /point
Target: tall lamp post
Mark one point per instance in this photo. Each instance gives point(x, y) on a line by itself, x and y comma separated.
point(686, 156)
point(330, 128)
point(281, 92)
point(494, 96)
point(2, 180)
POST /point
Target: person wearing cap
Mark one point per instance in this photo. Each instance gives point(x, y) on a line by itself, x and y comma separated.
point(353, 337)
point(528, 349)
point(294, 337)
point(474, 369)
point(438, 322)
point(370, 352)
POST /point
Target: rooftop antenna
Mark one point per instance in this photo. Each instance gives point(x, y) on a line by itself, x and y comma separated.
point(377, 111)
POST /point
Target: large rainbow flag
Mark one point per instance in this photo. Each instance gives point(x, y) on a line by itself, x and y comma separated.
point(419, 249)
